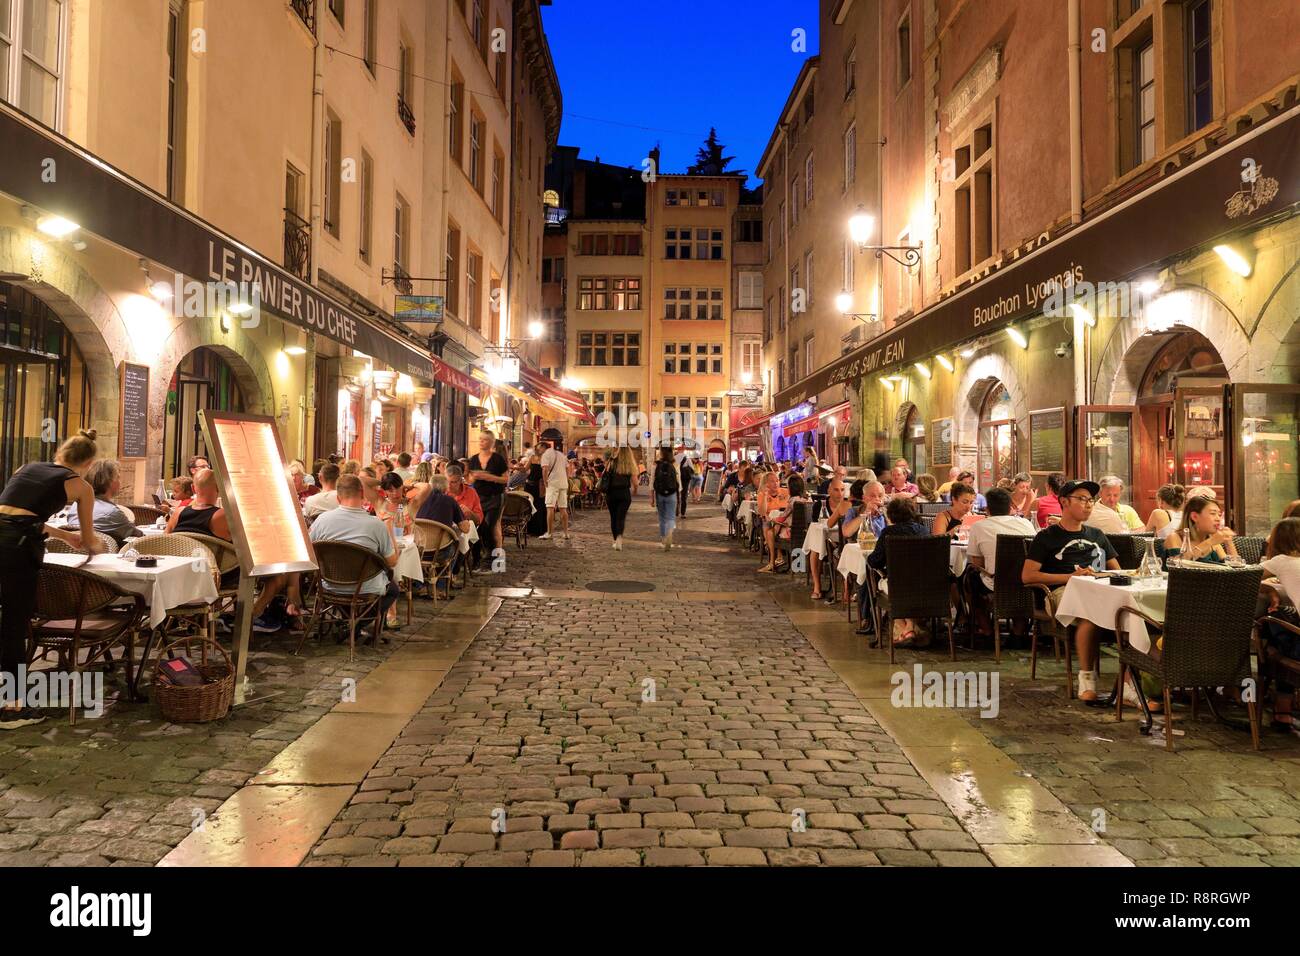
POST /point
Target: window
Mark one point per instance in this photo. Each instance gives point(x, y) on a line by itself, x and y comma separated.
point(476, 151)
point(767, 320)
point(609, 293)
point(623, 408)
point(785, 226)
point(973, 199)
point(751, 358)
point(808, 180)
point(477, 28)
point(850, 72)
point(499, 69)
point(553, 269)
point(406, 86)
point(498, 184)
point(717, 197)
point(782, 304)
point(452, 270)
point(176, 46)
point(692, 358)
point(771, 229)
point(401, 235)
point(677, 242)
point(605, 244)
point(366, 217)
point(794, 202)
point(905, 277)
point(297, 231)
point(1200, 98)
point(808, 275)
point(809, 353)
point(333, 172)
point(455, 133)
point(850, 155)
point(494, 307)
point(780, 374)
point(1144, 70)
point(751, 230)
point(372, 32)
point(708, 244)
point(336, 8)
point(795, 287)
point(473, 290)
point(609, 348)
point(751, 291)
point(904, 49)
point(846, 281)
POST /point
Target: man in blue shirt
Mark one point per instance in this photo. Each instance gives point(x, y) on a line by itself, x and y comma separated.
point(872, 511)
point(352, 524)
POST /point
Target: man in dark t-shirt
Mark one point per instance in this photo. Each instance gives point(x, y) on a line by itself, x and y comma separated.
point(1068, 549)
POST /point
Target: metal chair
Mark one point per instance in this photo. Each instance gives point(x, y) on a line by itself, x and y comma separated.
point(146, 514)
point(344, 570)
point(1250, 548)
point(800, 516)
point(928, 509)
point(432, 537)
point(1127, 549)
point(919, 584)
point(78, 612)
point(1209, 616)
point(515, 515)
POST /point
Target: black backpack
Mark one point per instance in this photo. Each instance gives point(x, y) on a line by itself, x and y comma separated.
point(665, 479)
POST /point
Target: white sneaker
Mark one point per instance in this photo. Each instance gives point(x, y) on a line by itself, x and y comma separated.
point(616, 544)
point(567, 536)
point(1087, 685)
point(544, 537)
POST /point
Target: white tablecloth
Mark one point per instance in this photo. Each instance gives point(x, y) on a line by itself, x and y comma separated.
point(175, 581)
point(408, 560)
point(815, 539)
point(745, 512)
point(148, 529)
point(957, 557)
point(1099, 601)
point(853, 561)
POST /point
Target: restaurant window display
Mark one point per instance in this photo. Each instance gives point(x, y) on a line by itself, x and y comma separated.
point(202, 380)
point(1266, 476)
point(45, 392)
point(914, 441)
point(997, 437)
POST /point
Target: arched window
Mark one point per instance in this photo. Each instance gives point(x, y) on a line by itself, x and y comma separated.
point(45, 392)
point(997, 437)
point(203, 380)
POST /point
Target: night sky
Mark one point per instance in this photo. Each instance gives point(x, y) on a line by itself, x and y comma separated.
point(678, 67)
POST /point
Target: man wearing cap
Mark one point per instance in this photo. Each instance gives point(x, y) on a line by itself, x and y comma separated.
point(1067, 549)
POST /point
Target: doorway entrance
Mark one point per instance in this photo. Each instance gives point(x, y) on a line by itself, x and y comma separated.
point(202, 380)
point(997, 437)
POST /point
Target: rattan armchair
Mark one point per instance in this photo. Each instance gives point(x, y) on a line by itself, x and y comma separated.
point(1209, 616)
point(432, 537)
point(344, 570)
point(58, 546)
point(227, 563)
point(1250, 548)
point(80, 618)
point(1012, 601)
point(146, 514)
point(198, 614)
point(1128, 550)
point(919, 585)
point(515, 515)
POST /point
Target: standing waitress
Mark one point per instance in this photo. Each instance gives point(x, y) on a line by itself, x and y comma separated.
point(488, 470)
point(34, 493)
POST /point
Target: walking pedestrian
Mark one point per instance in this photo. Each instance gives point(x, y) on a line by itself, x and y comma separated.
point(555, 469)
point(618, 492)
point(687, 476)
point(667, 489)
point(488, 471)
point(29, 499)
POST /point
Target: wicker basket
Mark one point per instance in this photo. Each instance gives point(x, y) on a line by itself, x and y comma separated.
point(199, 704)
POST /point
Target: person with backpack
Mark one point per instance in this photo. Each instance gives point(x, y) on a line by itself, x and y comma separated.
point(667, 489)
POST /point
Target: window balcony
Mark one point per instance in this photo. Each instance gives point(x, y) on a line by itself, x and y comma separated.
point(297, 245)
point(306, 10)
point(404, 111)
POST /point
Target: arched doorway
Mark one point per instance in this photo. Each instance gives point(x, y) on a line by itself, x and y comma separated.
point(913, 437)
point(203, 379)
point(997, 436)
point(45, 391)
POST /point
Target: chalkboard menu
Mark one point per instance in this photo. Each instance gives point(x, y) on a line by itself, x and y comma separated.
point(134, 422)
point(712, 481)
point(941, 442)
point(266, 520)
point(1047, 440)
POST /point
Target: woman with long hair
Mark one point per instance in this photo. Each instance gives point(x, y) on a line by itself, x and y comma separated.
point(618, 479)
point(1201, 535)
point(667, 486)
point(1024, 502)
point(33, 494)
point(1168, 515)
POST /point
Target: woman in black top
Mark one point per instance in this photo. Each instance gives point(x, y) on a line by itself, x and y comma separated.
point(618, 492)
point(488, 469)
point(536, 489)
point(32, 495)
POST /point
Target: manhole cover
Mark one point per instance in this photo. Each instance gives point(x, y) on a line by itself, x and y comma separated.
point(620, 587)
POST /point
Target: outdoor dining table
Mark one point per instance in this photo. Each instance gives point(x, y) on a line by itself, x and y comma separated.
point(408, 559)
point(175, 581)
point(854, 561)
point(745, 512)
point(815, 540)
point(1099, 601)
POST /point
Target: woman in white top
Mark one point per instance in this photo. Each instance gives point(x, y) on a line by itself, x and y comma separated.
point(1168, 515)
point(1282, 592)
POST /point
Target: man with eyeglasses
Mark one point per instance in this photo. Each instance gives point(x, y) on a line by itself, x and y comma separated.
point(1064, 550)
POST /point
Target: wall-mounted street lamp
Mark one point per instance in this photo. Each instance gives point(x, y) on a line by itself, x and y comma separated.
point(844, 305)
point(862, 224)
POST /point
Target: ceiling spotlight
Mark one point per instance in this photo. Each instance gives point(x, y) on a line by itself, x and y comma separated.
point(56, 226)
point(968, 353)
point(923, 369)
point(944, 361)
point(1017, 336)
point(1081, 314)
point(1234, 260)
point(889, 386)
point(294, 350)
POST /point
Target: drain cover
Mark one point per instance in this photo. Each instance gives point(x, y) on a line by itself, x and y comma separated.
point(620, 587)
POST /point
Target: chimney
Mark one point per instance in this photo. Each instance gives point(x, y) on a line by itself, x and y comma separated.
point(654, 157)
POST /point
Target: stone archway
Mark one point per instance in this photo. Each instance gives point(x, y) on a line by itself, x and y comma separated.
point(87, 311)
point(1129, 351)
point(978, 377)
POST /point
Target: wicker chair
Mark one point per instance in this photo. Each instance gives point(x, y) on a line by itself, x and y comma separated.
point(1012, 601)
point(58, 546)
point(800, 516)
point(1209, 616)
point(432, 537)
point(1128, 549)
point(227, 561)
point(344, 569)
point(928, 509)
point(146, 514)
point(1272, 665)
point(515, 515)
point(197, 616)
point(919, 585)
point(82, 614)
point(1250, 548)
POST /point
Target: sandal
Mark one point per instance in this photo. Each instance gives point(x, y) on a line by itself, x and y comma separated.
point(766, 569)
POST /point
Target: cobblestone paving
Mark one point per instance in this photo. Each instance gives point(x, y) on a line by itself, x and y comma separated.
point(123, 789)
point(544, 719)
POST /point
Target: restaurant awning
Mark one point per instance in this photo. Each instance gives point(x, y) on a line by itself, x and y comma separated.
point(110, 204)
point(533, 386)
point(1194, 207)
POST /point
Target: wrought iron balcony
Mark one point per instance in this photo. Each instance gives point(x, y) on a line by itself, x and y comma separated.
point(306, 10)
point(401, 279)
point(404, 111)
point(297, 244)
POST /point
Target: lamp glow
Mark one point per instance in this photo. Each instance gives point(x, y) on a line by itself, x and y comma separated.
point(534, 329)
point(161, 291)
point(968, 353)
point(1149, 286)
point(844, 303)
point(860, 226)
point(923, 369)
point(1081, 314)
point(56, 226)
point(1234, 260)
point(945, 362)
point(889, 386)
point(746, 378)
point(1017, 336)
point(294, 350)
point(239, 308)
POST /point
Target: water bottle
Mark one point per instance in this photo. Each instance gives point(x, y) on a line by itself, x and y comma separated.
point(1149, 567)
point(401, 519)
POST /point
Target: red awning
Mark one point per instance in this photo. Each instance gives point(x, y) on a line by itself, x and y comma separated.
point(803, 425)
point(546, 391)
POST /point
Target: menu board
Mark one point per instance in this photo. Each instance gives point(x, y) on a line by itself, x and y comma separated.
point(941, 442)
point(266, 521)
point(134, 422)
point(1047, 440)
point(712, 482)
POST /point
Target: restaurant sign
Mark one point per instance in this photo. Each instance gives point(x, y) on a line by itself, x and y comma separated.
point(1173, 216)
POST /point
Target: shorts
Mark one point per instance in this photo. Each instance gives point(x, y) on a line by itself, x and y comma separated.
point(697, 482)
point(557, 496)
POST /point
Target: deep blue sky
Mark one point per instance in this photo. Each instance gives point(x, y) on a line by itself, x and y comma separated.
point(678, 67)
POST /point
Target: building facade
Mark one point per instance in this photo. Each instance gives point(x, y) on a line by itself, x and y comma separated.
point(1130, 307)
